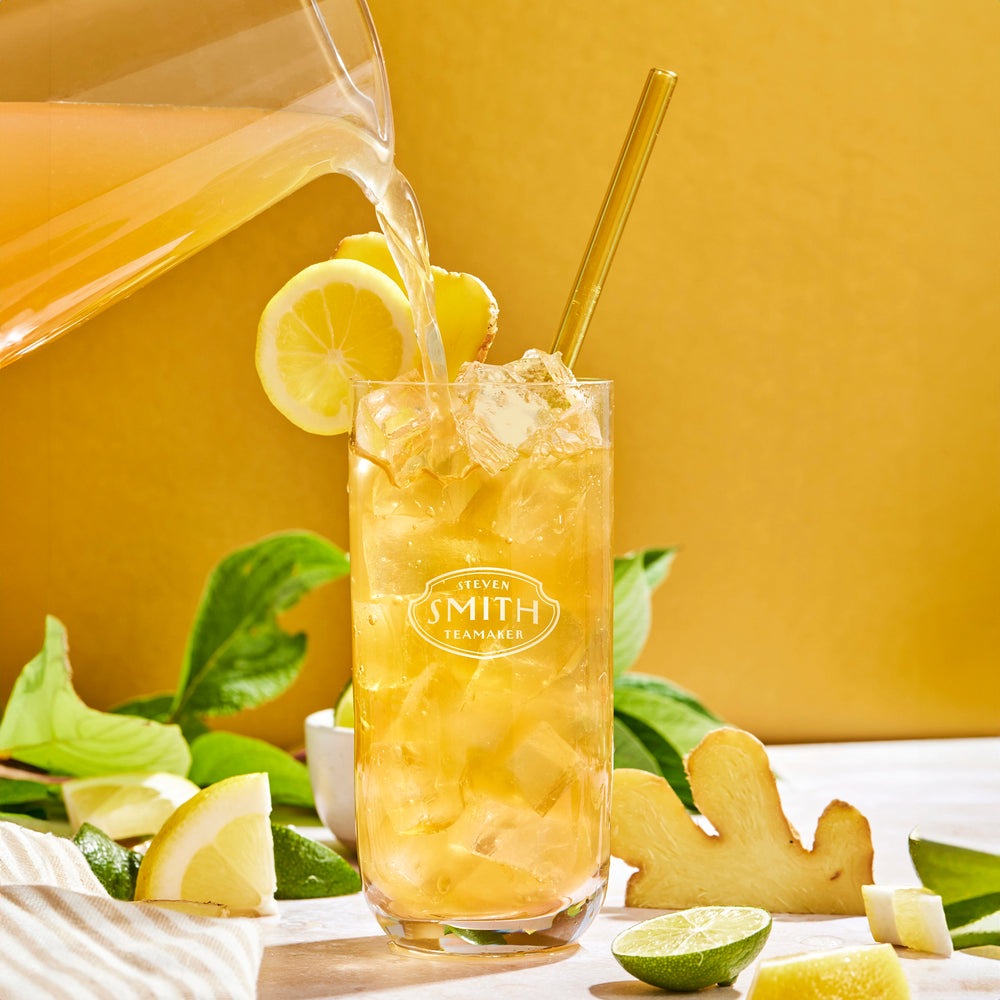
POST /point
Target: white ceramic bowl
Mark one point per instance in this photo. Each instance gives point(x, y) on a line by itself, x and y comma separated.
point(330, 756)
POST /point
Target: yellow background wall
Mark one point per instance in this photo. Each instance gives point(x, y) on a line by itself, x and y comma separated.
point(802, 321)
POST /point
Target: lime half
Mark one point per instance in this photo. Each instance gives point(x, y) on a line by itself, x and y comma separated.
point(695, 948)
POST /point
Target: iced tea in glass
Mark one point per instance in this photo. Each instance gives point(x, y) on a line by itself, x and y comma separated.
point(481, 592)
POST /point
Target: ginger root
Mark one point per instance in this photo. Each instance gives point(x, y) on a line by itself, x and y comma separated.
point(755, 858)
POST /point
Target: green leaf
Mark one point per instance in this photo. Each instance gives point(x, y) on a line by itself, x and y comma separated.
point(656, 565)
point(669, 761)
point(636, 576)
point(237, 655)
point(630, 752)
point(159, 707)
point(59, 827)
point(150, 706)
point(15, 791)
point(47, 725)
point(669, 721)
point(308, 870)
point(676, 714)
point(115, 866)
point(215, 756)
point(40, 799)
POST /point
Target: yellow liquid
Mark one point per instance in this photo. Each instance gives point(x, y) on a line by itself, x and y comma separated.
point(98, 199)
point(483, 784)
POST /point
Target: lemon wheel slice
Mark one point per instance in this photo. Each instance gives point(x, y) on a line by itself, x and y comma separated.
point(467, 312)
point(334, 321)
point(216, 848)
point(125, 805)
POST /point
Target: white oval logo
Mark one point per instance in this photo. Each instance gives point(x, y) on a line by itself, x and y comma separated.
point(483, 612)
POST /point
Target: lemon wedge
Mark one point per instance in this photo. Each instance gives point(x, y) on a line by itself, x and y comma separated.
point(857, 973)
point(216, 848)
point(191, 909)
point(125, 805)
point(334, 321)
point(467, 312)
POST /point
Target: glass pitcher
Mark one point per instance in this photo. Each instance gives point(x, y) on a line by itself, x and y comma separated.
point(136, 132)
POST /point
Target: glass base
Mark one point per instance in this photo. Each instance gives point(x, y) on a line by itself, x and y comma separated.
point(498, 937)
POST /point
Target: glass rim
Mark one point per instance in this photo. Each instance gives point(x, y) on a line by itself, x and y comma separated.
point(582, 382)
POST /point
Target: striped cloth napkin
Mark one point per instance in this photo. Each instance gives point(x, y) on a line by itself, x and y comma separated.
point(62, 937)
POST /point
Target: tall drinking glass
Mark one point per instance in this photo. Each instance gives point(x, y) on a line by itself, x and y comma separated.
point(135, 132)
point(481, 589)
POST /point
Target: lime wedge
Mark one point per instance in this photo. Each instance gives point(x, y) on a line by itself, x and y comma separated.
point(694, 948)
point(968, 882)
point(954, 872)
point(343, 713)
point(308, 870)
point(116, 867)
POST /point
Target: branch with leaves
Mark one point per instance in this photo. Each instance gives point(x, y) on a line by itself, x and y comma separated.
point(238, 656)
point(656, 722)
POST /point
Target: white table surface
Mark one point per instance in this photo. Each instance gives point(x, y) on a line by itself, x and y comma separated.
point(950, 789)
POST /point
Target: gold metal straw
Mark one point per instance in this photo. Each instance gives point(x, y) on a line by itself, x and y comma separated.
point(614, 213)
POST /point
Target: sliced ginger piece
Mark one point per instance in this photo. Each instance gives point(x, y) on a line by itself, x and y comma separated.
point(755, 858)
